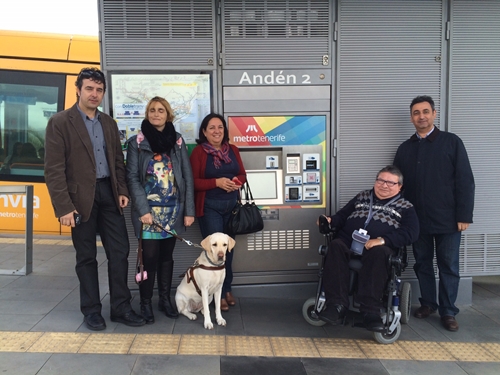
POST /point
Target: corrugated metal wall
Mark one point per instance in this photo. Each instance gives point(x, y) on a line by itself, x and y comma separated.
point(149, 34)
point(284, 33)
point(473, 114)
point(388, 53)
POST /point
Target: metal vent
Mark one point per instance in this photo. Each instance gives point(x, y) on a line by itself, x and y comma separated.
point(278, 240)
point(480, 254)
point(286, 33)
point(155, 34)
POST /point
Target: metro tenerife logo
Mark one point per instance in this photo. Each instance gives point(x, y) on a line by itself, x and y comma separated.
point(252, 127)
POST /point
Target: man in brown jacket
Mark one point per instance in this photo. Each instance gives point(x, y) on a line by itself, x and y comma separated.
point(85, 176)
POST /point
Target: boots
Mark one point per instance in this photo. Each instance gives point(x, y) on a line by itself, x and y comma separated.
point(165, 272)
point(146, 292)
point(147, 311)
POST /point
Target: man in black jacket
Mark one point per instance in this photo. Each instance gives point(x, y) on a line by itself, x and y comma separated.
point(440, 184)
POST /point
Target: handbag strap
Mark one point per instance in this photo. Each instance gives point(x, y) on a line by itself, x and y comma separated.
point(248, 192)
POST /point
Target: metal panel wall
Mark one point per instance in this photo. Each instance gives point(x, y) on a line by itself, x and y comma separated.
point(148, 34)
point(474, 110)
point(388, 52)
point(284, 33)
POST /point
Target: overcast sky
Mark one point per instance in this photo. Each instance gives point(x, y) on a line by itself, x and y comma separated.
point(52, 16)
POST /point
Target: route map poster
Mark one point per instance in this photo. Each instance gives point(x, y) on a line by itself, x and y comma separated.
point(188, 95)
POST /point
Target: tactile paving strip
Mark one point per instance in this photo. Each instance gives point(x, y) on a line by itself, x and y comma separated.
point(166, 344)
point(18, 341)
point(255, 346)
point(374, 350)
point(493, 348)
point(468, 352)
point(426, 351)
point(338, 348)
point(12, 240)
point(156, 344)
point(202, 345)
point(102, 343)
point(293, 347)
point(59, 342)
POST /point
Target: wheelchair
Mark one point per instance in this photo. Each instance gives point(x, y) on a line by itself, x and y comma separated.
point(396, 300)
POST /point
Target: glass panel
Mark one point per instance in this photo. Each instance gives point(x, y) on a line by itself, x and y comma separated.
point(25, 108)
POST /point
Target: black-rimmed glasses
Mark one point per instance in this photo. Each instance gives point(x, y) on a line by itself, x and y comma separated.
point(388, 183)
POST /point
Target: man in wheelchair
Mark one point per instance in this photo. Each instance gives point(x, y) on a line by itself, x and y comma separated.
point(372, 226)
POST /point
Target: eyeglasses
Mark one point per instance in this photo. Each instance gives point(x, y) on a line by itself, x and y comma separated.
point(388, 183)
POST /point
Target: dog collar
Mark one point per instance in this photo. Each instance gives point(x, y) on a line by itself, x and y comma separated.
point(212, 263)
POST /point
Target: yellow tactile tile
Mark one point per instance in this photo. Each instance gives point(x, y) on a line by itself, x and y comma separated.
point(46, 242)
point(254, 346)
point(59, 342)
point(293, 347)
point(17, 341)
point(106, 343)
point(374, 350)
point(156, 344)
point(493, 348)
point(338, 348)
point(65, 243)
point(202, 345)
point(469, 352)
point(426, 351)
point(12, 240)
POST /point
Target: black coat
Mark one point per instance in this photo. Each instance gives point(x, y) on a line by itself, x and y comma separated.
point(438, 180)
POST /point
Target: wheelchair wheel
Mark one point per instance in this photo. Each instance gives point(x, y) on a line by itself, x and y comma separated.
point(307, 309)
point(405, 303)
point(385, 338)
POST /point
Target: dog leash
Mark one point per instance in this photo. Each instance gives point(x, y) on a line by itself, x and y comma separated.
point(187, 242)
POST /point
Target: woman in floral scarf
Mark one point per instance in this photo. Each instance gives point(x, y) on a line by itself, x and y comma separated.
point(160, 182)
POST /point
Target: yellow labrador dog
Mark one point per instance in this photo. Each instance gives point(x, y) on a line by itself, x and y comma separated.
point(203, 281)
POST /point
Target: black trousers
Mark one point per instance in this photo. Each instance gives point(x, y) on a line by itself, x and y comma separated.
point(105, 216)
point(372, 277)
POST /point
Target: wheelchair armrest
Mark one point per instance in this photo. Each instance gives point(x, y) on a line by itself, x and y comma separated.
point(325, 228)
point(399, 260)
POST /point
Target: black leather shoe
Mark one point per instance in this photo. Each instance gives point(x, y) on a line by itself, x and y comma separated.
point(449, 322)
point(423, 312)
point(95, 322)
point(373, 322)
point(333, 314)
point(130, 318)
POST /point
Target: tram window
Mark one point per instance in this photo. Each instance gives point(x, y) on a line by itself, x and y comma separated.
point(27, 101)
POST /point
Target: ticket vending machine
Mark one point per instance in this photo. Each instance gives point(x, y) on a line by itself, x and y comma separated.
point(285, 160)
point(282, 128)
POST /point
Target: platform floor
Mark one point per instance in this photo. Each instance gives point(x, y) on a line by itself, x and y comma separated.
point(42, 332)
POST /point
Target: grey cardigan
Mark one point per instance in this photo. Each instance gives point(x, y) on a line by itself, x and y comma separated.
point(138, 157)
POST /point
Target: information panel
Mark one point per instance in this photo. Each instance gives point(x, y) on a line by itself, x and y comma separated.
point(188, 94)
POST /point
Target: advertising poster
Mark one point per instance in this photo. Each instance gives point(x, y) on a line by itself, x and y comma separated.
point(13, 211)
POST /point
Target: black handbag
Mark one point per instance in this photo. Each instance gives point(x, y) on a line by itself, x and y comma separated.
point(245, 217)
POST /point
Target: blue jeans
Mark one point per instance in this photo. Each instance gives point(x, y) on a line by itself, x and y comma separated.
point(447, 255)
point(216, 214)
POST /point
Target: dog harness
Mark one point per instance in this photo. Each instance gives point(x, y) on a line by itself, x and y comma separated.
point(190, 274)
